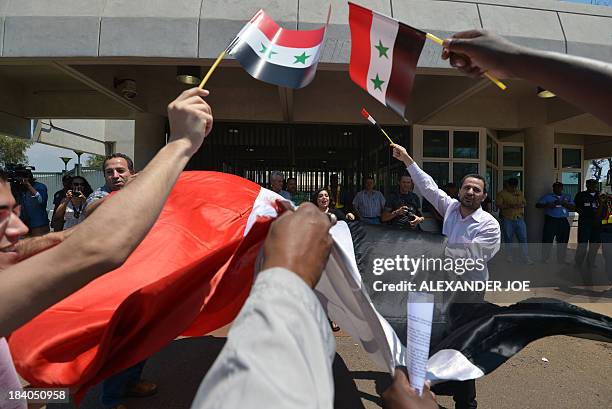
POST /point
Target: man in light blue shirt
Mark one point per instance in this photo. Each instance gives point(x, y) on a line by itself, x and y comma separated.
point(369, 203)
point(556, 207)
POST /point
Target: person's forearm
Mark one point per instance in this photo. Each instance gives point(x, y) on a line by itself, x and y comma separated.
point(281, 310)
point(60, 212)
point(92, 206)
point(28, 247)
point(99, 244)
point(584, 82)
point(428, 188)
point(387, 216)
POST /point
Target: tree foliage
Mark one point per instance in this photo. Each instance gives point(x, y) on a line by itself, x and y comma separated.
point(597, 165)
point(95, 161)
point(13, 150)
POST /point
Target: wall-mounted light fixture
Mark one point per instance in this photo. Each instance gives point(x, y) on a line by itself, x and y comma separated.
point(188, 74)
point(543, 93)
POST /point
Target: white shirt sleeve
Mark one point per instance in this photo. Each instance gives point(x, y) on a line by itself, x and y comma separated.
point(428, 188)
point(279, 351)
point(488, 240)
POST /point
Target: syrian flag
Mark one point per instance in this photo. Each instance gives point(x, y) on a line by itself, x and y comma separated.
point(194, 270)
point(270, 53)
point(384, 56)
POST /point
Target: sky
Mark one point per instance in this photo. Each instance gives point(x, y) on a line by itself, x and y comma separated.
point(46, 158)
point(599, 2)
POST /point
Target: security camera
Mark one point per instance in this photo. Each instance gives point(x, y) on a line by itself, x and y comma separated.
point(127, 88)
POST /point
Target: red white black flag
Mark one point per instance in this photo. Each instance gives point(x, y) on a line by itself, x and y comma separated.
point(384, 56)
point(270, 53)
point(194, 270)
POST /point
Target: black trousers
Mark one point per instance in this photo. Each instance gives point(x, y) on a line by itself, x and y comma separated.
point(555, 228)
point(463, 393)
point(589, 235)
point(606, 240)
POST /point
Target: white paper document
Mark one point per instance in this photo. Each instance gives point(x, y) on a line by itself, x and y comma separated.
point(420, 315)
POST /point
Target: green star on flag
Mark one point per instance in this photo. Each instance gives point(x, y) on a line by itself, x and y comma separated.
point(377, 82)
point(264, 49)
point(382, 50)
point(301, 58)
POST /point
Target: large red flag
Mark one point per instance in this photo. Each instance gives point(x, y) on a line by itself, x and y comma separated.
point(189, 276)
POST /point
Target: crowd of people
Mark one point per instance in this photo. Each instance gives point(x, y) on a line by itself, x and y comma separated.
point(279, 351)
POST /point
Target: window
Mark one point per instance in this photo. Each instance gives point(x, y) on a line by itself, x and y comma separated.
point(491, 178)
point(435, 143)
point(491, 150)
point(438, 171)
point(568, 168)
point(465, 144)
point(571, 182)
point(514, 174)
point(513, 156)
point(462, 169)
point(571, 158)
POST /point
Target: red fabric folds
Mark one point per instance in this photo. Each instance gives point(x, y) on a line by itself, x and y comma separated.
point(189, 276)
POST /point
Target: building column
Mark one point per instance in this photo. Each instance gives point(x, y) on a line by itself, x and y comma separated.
point(149, 138)
point(539, 176)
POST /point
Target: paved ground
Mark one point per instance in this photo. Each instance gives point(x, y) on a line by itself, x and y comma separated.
point(577, 375)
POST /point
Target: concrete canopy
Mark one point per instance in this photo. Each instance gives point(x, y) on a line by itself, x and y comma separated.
point(64, 59)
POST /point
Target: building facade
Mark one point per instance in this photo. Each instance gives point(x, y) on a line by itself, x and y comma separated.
point(117, 61)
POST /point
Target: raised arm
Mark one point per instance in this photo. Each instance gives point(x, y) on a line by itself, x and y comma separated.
point(270, 363)
point(581, 81)
point(425, 183)
point(105, 239)
point(30, 246)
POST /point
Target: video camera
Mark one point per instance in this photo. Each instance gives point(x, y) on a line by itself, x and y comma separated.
point(16, 172)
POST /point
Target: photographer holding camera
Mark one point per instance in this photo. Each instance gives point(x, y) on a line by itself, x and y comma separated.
point(70, 211)
point(403, 209)
point(32, 197)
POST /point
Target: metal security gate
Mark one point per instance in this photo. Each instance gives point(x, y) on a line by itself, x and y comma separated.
point(310, 153)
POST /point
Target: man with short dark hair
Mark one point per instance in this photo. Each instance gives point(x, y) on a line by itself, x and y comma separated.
point(472, 234)
point(556, 207)
point(369, 203)
point(118, 169)
point(589, 226)
point(511, 203)
point(403, 208)
point(296, 197)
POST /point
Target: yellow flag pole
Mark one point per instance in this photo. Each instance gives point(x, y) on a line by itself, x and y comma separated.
point(211, 69)
point(494, 80)
point(383, 131)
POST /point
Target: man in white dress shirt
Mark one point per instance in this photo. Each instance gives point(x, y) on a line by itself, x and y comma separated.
point(472, 233)
point(466, 224)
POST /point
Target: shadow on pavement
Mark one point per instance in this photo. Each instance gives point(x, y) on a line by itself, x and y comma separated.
point(179, 368)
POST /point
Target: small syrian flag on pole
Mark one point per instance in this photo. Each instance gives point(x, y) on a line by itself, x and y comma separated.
point(384, 56)
point(369, 117)
point(270, 53)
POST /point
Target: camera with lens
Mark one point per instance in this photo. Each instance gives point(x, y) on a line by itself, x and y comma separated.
point(16, 173)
